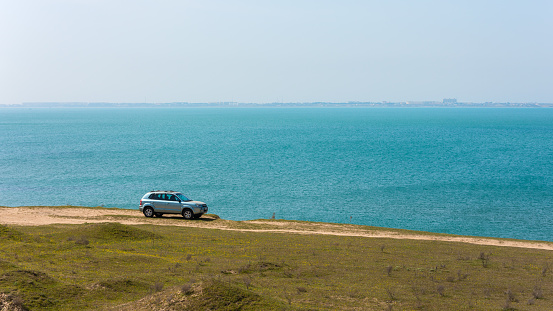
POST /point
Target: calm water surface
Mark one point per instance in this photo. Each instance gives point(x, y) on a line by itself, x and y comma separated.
point(484, 172)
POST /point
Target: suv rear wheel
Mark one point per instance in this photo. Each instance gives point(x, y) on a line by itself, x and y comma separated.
point(148, 212)
point(187, 214)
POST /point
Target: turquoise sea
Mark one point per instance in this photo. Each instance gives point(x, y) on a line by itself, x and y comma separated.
point(482, 172)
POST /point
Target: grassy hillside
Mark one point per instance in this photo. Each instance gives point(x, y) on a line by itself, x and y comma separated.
point(146, 267)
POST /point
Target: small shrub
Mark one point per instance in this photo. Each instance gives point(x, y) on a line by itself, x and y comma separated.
point(482, 256)
point(157, 287)
point(485, 258)
point(391, 294)
point(261, 266)
point(461, 276)
point(302, 290)
point(537, 293)
point(355, 294)
point(122, 285)
point(18, 303)
point(247, 281)
point(175, 267)
point(245, 268)
point(487, 292)
point(82, 240)
point(389, 270)
point(418, 292)
point(507, 305)
point(511, 296)
point(187, 289)
point(463, 257)
point(288, 297)
point(485, 263)
point(441, 290)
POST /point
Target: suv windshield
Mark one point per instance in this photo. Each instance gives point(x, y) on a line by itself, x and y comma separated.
point(182, 197)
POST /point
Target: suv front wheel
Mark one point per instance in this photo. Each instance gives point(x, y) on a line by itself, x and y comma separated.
point(187, 214)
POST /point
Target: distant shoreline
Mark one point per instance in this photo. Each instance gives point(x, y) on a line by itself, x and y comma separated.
point(406, 104)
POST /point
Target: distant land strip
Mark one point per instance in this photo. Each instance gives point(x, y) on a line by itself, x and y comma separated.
point(446, 103)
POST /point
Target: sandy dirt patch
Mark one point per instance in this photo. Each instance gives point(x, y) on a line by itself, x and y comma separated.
point(36, 216)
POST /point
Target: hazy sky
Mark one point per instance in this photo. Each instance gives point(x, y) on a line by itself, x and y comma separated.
point(275, 50)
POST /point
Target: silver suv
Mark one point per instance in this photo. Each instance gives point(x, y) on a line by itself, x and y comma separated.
point(157, 203)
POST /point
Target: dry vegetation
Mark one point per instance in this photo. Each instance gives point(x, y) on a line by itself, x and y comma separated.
point(111, 266)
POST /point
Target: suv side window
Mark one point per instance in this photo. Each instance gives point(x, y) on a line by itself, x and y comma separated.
point(172, 197)
point(153, 196)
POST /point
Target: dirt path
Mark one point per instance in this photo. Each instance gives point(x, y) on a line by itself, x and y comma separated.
point(36, 216)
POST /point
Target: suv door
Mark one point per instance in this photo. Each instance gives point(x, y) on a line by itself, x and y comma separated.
point(159, 200)
point(173, 204)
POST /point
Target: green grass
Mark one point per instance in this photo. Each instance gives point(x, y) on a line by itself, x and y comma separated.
point(121, 267)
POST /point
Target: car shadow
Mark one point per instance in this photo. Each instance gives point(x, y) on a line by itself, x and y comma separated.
point(203, 218)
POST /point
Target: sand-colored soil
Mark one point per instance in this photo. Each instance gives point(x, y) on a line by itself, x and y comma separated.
point(36, 216)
